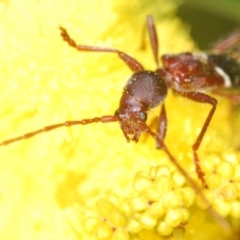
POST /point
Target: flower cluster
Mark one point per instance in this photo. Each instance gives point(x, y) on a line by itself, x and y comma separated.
point(163, 200)
point(110, 223)
point(161, 204)
point(223, 193)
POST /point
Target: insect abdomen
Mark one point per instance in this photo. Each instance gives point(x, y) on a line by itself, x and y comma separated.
point(229, 65)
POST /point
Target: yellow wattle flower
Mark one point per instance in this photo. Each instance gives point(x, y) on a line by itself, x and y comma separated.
point(87, 182)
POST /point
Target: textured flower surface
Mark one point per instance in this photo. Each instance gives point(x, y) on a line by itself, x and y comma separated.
point(163, 201)
point(87, 182)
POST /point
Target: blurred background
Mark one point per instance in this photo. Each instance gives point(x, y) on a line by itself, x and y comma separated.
point(209, 20)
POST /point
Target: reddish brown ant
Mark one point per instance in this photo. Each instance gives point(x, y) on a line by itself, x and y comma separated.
point(186, 74)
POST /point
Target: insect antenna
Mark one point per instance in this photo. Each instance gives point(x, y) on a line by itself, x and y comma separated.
point(131, 62)
point(103, 119)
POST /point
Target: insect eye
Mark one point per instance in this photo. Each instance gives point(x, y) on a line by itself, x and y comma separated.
point(143, 116)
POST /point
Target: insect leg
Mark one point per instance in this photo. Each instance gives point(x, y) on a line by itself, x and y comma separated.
point(233, 94)
point(162, 125)
point(222, 221)
point(131, 62)
point(229, 43)
point(153, 38)
point(203, 98)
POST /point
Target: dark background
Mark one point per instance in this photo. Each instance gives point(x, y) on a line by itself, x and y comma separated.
point(210, 20)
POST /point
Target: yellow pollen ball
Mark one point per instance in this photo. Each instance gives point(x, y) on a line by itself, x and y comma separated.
point(235, 209)
point(141, 181)
point(138, 204)
point(225, 170)
point(185, 215)
point(117, 219)
point(174, 217)
point(120, 235)
point(147, 221)
point(125, 207)
point(156, 210)
point(90, 223)
point(222, 207)
point(236, 174)
point(159, 171)
point(152, 193)
point(165, 184)
point(134, 226)
point(173, 199)
point(105, 207)
point(178, 179)
point(104, 231)
point(229, 192)
point(214, 180)
point(164, 229)
point(208, 163)
point(188, 195)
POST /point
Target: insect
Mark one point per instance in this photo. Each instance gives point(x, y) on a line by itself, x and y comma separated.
point(187, 74)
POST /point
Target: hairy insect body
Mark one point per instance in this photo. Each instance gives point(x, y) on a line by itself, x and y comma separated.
point(143, 91)
point(147, 87)
point(189, 72)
